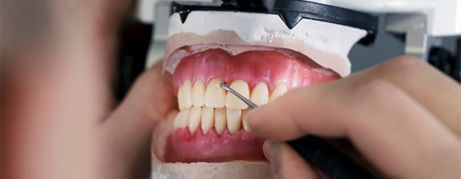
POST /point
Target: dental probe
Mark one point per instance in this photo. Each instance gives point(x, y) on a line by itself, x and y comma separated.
point(319, 153)
point(250, 104)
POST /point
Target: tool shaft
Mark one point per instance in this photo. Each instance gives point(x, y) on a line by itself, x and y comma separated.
point(250, 104)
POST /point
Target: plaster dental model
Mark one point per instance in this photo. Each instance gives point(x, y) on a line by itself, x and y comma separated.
point(257, 55)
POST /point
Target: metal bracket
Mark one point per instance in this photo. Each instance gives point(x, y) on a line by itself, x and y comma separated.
point(414, 26)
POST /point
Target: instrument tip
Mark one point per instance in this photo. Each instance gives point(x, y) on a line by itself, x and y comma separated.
point(223, 85)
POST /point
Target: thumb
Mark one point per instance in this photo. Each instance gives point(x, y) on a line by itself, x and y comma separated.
point(126, 134)
point(301, 111)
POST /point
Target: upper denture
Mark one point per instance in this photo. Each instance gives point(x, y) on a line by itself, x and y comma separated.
point(253, 67)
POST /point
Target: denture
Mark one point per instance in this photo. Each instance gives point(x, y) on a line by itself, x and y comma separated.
point(258, 56)
point(209, 124)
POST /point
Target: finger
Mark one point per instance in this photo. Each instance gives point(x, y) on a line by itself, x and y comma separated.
point(293, 114)
point(45, 117)
point(390, 128)
point(85, 33)
point(161, 135)
point(103, 15)
point(126, 135)
point(151, 96)
point(285, 162)
point(92, 26)
point(426, 85)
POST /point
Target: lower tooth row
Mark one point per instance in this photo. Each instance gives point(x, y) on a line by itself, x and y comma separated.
point(207, 118)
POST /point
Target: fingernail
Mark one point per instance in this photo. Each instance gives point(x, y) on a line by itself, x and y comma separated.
point(245, 123)
point(246, 117)
point(267, 149)
point(275, 159)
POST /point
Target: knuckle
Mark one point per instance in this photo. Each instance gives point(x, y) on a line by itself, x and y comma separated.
point(405, 62)
point(368, 95)
point(149, 78)
point(372, 89)
point(402, 64)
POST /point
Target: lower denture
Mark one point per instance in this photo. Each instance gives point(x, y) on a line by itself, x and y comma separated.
point(212, 147)
point(261, 76)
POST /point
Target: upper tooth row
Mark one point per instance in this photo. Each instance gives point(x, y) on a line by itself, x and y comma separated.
point(214, 96)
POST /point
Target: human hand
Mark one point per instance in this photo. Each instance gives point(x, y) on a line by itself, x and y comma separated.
point(50, 133)
point(58, 116)
point(126, 135)
point(403, 115)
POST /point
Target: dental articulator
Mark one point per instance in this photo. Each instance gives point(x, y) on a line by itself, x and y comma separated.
point(271, 47)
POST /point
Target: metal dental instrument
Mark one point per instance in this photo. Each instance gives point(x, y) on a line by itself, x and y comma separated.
point(250, 104)
point(319, 153)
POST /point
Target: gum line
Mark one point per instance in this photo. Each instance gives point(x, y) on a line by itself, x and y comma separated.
point(212, 147)
point(269, 67)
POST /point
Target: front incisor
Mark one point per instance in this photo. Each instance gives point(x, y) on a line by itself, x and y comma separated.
point(207, 119)
point(198, 93)
point(185, 95)
point(260, 94)
point(194, 118)
point(278, 91)
point(215, 96)
point(233, 120)
point(220, 120)
point(232, 101)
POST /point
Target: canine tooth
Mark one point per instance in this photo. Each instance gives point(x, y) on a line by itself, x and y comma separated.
point(278, 91)
point(207, 119)
point(220, 120)
point(232, 101)
point(260, 94)
point(181, 119)
point(233, 120)
point(185, 95)
point(194, 118)
point(215, 96)
point(198, 92)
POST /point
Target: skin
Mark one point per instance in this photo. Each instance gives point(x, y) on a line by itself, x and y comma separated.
point(58, 116)
point(403, 115)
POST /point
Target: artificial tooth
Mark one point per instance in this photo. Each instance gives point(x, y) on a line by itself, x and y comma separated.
point(215, 96)
point(219, 120)
point(207, 119)
point(198, 92)
point(185, 95)
point(194, 118)
point(232, 101)
point(180, 98)
point(233, 120)
point(260, 94)
point(278, 91)
point(244, 121)
point(181, 119)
